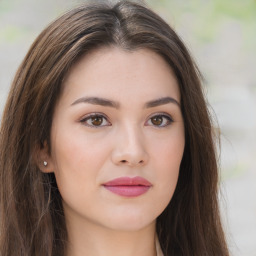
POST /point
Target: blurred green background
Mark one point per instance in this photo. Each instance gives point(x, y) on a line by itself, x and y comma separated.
point(221, 35)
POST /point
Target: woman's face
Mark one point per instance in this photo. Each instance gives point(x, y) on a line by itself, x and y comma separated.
point(117, 139)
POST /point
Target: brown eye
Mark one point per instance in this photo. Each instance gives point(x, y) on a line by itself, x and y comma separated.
point(96, 120)
point(161, 120)
point(157, 120)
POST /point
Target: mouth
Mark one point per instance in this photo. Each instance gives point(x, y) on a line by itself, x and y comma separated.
point(128, 187)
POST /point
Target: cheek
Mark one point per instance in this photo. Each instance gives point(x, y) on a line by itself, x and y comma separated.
point(78, 160)
point(76, 151)
point(167, 159)
point(167, 151)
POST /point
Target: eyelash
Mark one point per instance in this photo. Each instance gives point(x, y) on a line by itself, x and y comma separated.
point(95, 115)
point(168, 120)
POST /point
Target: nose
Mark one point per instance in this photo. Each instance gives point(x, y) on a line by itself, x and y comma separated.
point(130, 148)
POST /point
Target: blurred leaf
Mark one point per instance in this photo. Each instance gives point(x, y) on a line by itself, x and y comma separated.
point(10, 34)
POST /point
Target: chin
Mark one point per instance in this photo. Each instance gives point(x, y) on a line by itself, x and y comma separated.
point(131, 222)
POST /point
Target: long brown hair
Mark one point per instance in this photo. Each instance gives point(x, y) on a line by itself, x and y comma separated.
point(32, 218)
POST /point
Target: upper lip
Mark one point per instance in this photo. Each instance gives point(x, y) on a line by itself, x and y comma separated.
point(128, 181)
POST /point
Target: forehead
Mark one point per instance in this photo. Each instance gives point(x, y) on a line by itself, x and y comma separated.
point(113, 72)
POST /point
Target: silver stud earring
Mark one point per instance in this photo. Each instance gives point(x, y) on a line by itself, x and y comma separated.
point(45, 163)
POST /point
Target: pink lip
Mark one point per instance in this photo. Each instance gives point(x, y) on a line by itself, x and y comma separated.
point(128, 187)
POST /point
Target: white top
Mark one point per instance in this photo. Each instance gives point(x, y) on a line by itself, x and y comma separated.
point(158, 248)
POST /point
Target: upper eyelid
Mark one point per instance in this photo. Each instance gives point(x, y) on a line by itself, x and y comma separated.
point(87, 116)
point(161, 114)
point(92, 115)
point(169, 118)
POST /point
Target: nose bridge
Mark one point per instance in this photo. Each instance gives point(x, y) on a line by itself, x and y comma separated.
point(134, 137)
point(130, 146)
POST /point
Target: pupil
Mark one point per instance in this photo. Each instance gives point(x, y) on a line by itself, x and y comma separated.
point(97, 120)
point(157, 120)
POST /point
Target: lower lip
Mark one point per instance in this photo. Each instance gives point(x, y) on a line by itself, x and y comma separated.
point(128, 191)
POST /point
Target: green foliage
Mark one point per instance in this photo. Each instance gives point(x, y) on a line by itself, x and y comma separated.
point(10, 34)
point(206, 18)
point(6, 5)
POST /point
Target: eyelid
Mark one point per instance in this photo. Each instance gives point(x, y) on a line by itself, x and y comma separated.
point(163, 114)
point(99, 114)
point(90, 115)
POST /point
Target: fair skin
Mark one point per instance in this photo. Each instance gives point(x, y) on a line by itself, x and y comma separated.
point(137, 130)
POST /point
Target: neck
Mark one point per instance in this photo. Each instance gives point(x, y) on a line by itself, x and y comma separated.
point(95, 240)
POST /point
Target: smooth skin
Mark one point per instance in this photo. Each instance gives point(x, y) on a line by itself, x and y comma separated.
point(119, 116)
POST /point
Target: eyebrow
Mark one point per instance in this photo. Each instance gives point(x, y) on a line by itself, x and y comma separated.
point(97, 101)
point(114, 104)
point(161, 101)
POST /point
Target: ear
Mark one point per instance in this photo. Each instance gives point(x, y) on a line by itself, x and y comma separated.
point(43, 158)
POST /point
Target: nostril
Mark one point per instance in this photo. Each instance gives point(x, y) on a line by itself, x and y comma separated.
point(125, 161)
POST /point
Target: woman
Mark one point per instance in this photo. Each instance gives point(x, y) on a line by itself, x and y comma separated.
point(106, 143)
